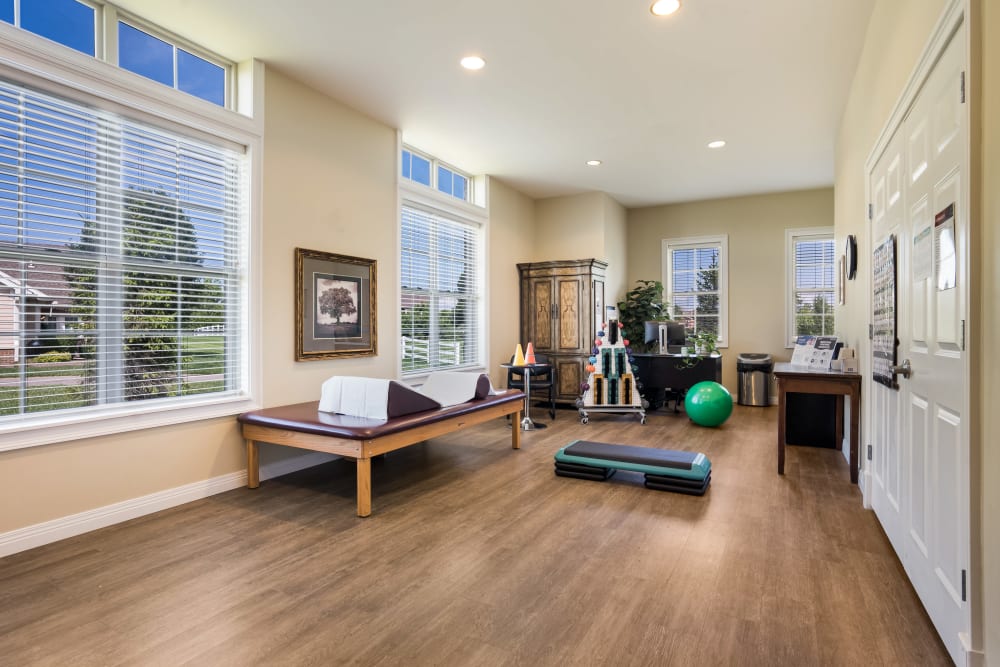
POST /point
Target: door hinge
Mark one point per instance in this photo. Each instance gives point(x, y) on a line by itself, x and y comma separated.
point(963, 335)
point(871, 212)
point(963, 585)
point(869, 452)
point(871, 332)
point(961, 86)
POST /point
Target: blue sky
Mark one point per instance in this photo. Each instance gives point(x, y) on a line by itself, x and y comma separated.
point(72, 24)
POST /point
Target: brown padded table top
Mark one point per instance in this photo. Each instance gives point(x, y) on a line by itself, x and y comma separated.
point(306, 418)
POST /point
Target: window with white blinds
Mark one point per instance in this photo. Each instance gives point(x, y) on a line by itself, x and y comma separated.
point(441, 291)
point(695, 276)
point(120, 261)
point(811, 282)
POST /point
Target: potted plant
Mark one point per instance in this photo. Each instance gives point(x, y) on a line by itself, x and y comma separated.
point(706, 343)
point(642, 304)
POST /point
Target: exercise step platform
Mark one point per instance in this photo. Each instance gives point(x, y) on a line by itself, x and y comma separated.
point(664, 469)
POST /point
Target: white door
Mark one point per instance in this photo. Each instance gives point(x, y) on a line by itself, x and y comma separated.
point(887, 428)
point(920, 435)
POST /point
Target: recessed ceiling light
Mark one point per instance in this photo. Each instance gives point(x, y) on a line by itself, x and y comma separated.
point(473, 62)
point(593, 163)
point(716, 144)
point(665, 7)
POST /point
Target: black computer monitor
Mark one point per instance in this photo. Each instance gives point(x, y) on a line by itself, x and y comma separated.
point(676, 334)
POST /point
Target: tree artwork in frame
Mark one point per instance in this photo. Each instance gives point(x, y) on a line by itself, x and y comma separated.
point(335, 306)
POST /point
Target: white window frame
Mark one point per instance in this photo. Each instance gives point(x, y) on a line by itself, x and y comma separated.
point(791, 236)
point(720, 241)
point(106, 18)
point(470, 190)
point(46, 65)
point(418, 195)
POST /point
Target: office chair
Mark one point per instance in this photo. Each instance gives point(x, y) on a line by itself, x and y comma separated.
point(542, 379)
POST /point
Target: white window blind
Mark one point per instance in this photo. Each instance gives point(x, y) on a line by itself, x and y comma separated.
point(120, 261)
point(441, 292)
point(695, 278)
point(812, 284)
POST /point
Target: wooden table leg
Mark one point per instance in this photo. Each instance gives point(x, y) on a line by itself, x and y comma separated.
point(515, 431)
point(782, 406)
point(364, 486)
point(253, 464)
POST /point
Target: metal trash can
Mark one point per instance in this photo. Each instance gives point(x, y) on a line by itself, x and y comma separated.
point(753, 370)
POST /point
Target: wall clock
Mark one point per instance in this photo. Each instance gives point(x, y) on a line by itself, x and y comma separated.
point(851, 252)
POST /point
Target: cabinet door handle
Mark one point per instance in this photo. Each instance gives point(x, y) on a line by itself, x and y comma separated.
point(554, 311)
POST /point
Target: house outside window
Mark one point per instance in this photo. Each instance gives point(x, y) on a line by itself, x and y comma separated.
point(695, 279)
point(125, 244)
point(119, 259)
point(810, 282)
point(441, 272)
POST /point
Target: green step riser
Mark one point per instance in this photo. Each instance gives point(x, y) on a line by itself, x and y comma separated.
point(699, 469)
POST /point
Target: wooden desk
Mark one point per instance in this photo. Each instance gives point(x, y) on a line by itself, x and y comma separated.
point(806, 381)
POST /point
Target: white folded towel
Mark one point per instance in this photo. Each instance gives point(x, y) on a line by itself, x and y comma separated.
point(355, 396)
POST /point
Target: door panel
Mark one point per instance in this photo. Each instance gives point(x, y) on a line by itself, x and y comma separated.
point(919, 423)
point(922, 224)
point(887, 424)
point(570, 376)
point(947, 193)
point(948, 565)
point(541, 302)
point(922, 425)
point(570, 302)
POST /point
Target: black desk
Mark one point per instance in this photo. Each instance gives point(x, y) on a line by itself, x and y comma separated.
point(666, 377)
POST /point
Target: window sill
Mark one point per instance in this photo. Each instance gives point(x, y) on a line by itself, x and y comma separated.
point(48, 430)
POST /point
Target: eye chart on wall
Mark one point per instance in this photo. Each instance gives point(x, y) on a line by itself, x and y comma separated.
point(884, 340)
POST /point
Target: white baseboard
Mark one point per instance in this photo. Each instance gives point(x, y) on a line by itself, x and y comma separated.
point(973, 658)
point(22, 539)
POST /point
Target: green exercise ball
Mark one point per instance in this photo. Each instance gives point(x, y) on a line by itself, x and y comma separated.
point(708, 403)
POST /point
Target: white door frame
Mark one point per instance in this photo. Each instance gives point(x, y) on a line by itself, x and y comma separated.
point(955, 13)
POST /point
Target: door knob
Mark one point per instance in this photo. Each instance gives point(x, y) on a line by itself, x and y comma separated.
point(905, 370)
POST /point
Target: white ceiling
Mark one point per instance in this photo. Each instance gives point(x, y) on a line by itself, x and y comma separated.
point(566, 82)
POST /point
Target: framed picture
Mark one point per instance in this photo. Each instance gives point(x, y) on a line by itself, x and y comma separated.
point(335, 306)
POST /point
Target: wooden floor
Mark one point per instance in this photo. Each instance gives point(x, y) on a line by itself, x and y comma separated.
point(477, 554)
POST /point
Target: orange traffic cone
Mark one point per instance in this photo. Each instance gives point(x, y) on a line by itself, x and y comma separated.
point(529, 356)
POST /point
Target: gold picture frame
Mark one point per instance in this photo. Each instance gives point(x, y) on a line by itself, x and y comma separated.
point(335, 306)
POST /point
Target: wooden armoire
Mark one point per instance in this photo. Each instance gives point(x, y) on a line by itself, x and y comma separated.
point(562, 306)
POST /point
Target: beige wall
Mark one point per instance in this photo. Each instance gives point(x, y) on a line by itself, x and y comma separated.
point(583, 226)
point(512, 226)
point(570, 227)
point(44, 483)
point(615, 250)
point(990, 366)
point(328, 173)
point(756, 229)
point(897, 34)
